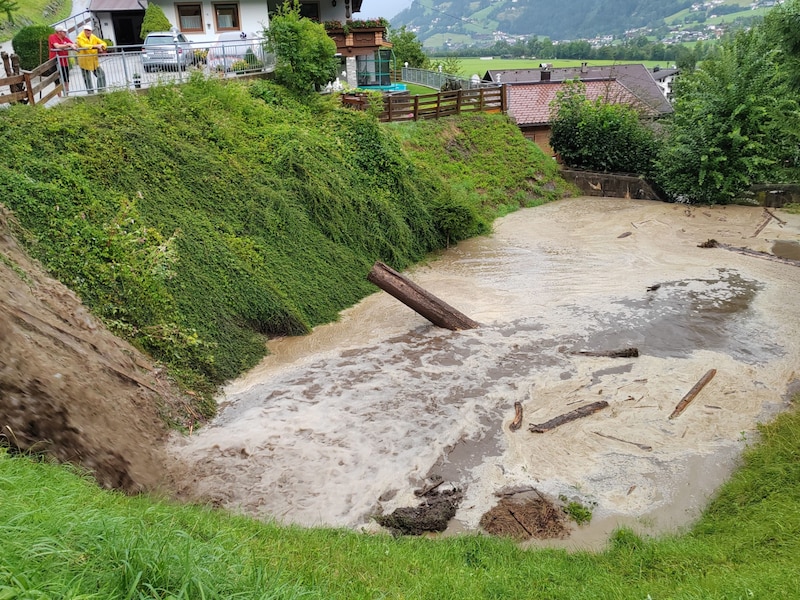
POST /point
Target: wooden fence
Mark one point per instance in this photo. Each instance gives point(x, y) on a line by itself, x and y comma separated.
point(29, 87)
point(404, 107)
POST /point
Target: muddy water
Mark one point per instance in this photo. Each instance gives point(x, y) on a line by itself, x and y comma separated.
point(349, 420)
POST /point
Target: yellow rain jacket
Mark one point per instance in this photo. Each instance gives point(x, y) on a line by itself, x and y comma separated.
point(87, 56)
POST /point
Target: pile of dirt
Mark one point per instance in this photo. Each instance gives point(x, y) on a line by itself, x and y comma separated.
point(71, 389)
point(525, 516)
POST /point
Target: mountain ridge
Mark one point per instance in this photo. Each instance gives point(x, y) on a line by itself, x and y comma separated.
point(482, 20)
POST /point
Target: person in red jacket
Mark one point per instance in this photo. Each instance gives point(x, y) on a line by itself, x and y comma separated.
point(60, 45)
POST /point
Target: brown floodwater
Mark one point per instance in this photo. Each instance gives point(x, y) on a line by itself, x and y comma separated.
point(338, 425)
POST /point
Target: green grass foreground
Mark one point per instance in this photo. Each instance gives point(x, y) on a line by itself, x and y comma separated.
point(63, 537)
point(197, 220)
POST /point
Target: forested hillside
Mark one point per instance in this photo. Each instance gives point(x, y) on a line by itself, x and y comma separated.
point(557, 20)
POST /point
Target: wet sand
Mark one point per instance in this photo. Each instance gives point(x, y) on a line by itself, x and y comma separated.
point(349, 420)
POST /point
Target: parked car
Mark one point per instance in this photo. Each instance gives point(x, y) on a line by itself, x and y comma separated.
point(236, 51)
point(166, 50)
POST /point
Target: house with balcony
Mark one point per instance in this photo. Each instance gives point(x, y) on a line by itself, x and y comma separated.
point(361, 45)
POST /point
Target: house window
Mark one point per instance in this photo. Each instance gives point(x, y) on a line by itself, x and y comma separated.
point(310, 10)
point(227, 16)
point(190, 17)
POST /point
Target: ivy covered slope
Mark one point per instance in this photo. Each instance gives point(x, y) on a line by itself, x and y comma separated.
point(196, 220)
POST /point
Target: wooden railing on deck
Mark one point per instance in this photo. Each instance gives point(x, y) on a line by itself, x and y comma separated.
point(29, 87)
point(403, 107)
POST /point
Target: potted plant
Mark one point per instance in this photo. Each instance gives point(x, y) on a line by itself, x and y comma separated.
point(137, 80)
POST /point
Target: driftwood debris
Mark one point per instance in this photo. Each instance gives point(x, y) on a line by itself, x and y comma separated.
point(624, 353)
point(583, 411)
point(644, 447)
point(748, 252)
point(681, 406)
point(517, 422)
point(426, 304)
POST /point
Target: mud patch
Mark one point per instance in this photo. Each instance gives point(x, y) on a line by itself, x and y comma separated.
point(524, 516)
point(431, 516)
point(785, 249)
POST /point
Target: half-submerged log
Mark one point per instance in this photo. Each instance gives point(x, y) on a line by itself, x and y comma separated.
point(681, 406)
point(583, 411)
point(624, 353)
point(426, 304)
point(517, 422)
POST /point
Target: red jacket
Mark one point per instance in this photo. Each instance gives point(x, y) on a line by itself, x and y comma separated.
point(62, 53)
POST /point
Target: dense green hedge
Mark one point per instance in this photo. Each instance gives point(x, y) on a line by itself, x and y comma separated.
point(196, 220)
point(30, 44)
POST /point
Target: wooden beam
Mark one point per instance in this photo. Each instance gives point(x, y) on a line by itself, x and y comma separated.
point(426, 304)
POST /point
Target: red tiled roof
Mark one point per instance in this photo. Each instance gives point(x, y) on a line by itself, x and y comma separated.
point(529, 103)
point(636, 77)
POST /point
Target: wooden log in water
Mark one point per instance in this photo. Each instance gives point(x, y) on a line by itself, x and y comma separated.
point(624, 353)
point(690, 395)
point(517, 422)
point(583, 411)
point(426, 304)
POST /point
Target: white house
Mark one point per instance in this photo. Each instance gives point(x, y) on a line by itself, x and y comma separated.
point(205, 20)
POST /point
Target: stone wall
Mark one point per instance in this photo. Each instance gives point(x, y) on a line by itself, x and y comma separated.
point(774, 196)
point(612, 184)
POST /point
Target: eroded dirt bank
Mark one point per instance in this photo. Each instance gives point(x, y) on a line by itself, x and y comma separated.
point(349, 421)
point(70, 388)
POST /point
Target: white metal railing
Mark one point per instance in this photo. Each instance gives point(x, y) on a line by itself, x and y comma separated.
point(130, 67)
point(439, 80)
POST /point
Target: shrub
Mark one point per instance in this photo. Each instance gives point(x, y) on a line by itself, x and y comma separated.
point(154, 20)
point(306, 56)
point(600, 135)
point(30, 44)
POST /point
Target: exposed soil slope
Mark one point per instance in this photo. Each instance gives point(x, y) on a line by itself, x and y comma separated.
point(70, 388)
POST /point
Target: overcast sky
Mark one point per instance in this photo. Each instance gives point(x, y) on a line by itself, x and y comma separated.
point(371, 9)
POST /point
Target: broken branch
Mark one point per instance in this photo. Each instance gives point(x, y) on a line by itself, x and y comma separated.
point(644, 447)
point(583, 411)
point(681, 406)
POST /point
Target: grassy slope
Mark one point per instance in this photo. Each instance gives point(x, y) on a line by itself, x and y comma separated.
point(64, 537)
point(33, 12)
point(197, 220)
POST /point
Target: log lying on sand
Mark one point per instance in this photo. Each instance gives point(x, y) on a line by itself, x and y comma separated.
point(624, 353)
point(681, 406)
point(583, 411)
point(426, 304)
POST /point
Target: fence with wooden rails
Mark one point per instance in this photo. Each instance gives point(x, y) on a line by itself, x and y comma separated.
point(28, 87)
point(404, 107)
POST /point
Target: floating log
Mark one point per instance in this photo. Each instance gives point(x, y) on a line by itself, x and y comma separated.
point(624, 353)
point(426, 304)
point(681, 406)
point(748, 252)
point(517, 422)
point(583, 411)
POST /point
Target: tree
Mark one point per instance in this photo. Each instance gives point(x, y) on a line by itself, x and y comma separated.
point(8, 7)
point(154, 20)
point(736, 123)
point(782, 24)
point(407, 48)
point(305, 55)
point(600, 135)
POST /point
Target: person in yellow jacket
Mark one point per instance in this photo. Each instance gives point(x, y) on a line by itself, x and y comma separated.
point(89, 45)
